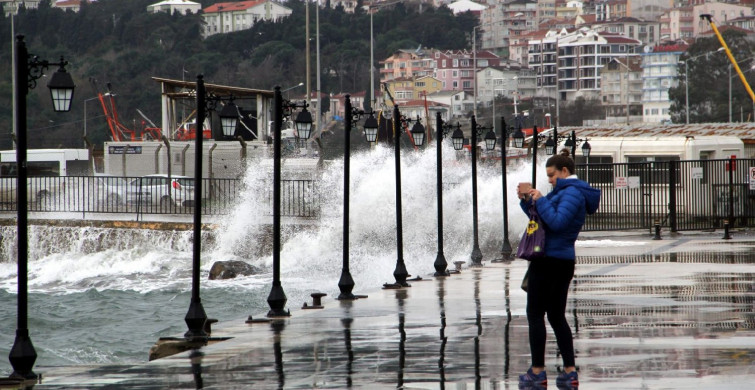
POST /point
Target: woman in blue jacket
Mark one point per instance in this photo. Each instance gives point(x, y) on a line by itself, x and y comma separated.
point(562, 213)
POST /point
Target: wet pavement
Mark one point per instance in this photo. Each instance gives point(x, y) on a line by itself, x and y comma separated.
point(678, 313)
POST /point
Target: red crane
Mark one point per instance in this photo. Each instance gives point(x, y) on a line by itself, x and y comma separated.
point(118, 131)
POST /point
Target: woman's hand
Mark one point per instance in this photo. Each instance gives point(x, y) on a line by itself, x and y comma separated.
point(523, 189)
point(535, 194)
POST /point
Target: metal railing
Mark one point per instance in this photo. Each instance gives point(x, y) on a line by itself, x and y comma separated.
point(679, 195)
point(151, 195)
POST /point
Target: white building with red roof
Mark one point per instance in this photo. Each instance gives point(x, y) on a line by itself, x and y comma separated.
point(73, 5)
point(242, 15)
point(183, 7)
point(10, 7)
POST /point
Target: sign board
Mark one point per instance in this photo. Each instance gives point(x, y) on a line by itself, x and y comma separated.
point(620, 182)
point(752, 178)
point(122, 149)
point(697, 173)
point(633, 181)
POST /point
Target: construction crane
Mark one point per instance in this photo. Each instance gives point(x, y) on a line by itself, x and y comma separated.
point(118, 131)
point(708, 17)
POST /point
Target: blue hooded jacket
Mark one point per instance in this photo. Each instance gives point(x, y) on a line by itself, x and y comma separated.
point(563, 212)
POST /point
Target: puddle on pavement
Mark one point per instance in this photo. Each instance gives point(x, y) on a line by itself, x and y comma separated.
point(681, 314)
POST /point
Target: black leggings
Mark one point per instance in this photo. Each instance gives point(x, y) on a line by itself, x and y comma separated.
point(549, 280)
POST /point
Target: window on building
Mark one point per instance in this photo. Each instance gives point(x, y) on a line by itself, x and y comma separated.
point(651, 169)
point(444, 64)
point(454, 74)
point(467, 84)
point(455, 84)
point(456, 63)
point(599, 169)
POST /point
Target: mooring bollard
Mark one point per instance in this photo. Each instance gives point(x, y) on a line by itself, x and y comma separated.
point(726, 230)
point(316, 301)
point(657, 231)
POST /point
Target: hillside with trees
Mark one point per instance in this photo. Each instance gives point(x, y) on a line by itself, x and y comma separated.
point(118, 42)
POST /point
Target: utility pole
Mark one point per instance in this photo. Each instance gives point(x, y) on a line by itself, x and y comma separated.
point(306, 29)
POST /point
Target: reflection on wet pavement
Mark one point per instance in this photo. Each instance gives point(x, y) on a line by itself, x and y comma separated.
point(673, 318)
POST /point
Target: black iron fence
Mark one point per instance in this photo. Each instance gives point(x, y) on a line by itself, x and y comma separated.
point(679, 195)
point(151, 195)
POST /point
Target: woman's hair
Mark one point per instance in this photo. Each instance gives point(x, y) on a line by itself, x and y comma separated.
point(561, 161)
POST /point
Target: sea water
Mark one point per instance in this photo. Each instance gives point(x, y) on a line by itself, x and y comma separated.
point(100, 296)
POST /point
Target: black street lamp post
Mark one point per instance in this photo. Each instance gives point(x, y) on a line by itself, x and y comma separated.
point(277, 298)
point(29, 69)
point(440, 263)
point(399, 273)
point(506, 246)
point(346, 282)
point(476, 256)
point(534, 156)
point(418, 135)
point(551, 143)
point(574, 141)
point(196, 317)
point(519, 142)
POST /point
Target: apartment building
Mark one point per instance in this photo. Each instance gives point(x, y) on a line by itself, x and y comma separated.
point(458, 103)
point(569, 9)
point(659, 73)
point(684, 22)
point(407, 63)
point(456, 68)
point(501, 23)
point(568, 64)
point(222, 18)
point(621, 89)
point(640, 9)
point(647, 32)
point(495, 81)
point(546, 9)
point(611, 9)
point(404, 89)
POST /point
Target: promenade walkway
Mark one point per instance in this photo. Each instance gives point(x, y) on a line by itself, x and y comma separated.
point(678, 313)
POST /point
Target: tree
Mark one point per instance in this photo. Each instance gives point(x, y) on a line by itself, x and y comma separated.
point(708, 82)
point(576, 112)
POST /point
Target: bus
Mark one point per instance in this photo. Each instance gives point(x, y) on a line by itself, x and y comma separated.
point(42, 165)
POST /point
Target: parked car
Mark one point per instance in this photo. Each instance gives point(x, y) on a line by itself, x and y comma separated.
point(110, 193)
point(160, 190)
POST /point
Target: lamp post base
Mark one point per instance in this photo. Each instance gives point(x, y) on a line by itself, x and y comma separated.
point(506, 252)
point(400, 273)
point(277, 301)
point(22, 356)
point(346, 285)
point(476, 257)
point(195, 319)
point(441, 265)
